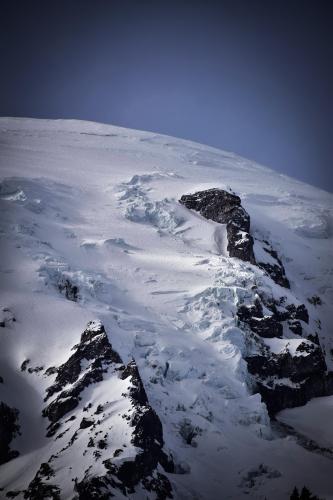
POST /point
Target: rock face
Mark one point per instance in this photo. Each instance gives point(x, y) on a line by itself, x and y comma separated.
point(95, 348)
point(225, 208)
point(269, 324)
point(289, 379)
point(274, 268)
point(287, 371)
point(264, 325)
point(38, 488)
point(8, 430)
point(124, 433)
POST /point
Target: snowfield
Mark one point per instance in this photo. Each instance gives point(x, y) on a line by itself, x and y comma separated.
point(91, 228)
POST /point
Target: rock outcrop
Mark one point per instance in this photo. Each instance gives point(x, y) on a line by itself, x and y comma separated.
point(274, 267)
point(95, 348)
point(293, 375)
point(224, 207)
point(41, 486)
point(287, 371)
point(264, 325)
point(131, 457)
point(289, 379)
point(9, 428)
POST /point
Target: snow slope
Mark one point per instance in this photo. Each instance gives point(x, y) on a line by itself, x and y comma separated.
point(98, 205)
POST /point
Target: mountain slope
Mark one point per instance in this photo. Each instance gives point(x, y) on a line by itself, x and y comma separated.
point(92, 230)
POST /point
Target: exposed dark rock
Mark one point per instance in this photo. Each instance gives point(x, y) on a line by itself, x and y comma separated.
point(137, 391)
point(85, 422)
point(160, 485)
point(1, 380)
point(168, 464)
point(265, 318)
point(38, 489)
point(296, 327)
point(51, 371)
point(302, 313)
point(276, 271)
point(99, 410)
point(271, 325)
point(215, 204)
point(9, 428)
point(263, 325)
point(284, 365)
point(282, 396)
point(296, 315)
point(52, 429)
point(225, 208)
point(60, 406)
point(314, 338)
point(36, 369)
point(46, 471)
point(306, 374)
point(130, 473)
point(102, 444)
point(94, 488)
point(147, 432)
point(13, 494)
point(24, 365)
point(240, 243)
point(283, 380)
point(315, 300)
point(94, 346)
point(86, 408)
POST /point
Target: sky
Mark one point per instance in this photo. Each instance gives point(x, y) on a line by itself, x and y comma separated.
point(250, 76)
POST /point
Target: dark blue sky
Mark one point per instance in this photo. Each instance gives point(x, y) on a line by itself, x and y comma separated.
point(253, 77)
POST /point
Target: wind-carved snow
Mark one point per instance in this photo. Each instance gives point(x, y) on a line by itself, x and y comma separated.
point(97, 206)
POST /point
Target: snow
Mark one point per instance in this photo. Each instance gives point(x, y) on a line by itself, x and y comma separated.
point(305, 420)
point(98, 205)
